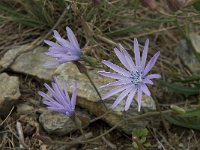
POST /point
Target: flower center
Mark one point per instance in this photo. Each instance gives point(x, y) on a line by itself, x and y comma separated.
point(136, 77)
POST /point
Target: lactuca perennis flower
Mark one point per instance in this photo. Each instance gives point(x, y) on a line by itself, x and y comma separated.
point(59, 100)
point(133, 78)
point(63, 50)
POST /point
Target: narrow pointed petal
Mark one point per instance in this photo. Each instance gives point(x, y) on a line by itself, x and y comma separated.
point(139, 100)
point(74, 93)
point(121, 97)
point(147, 81)
point(50, 43)
point(151, 63)
point(72, 38)
point(115, 91)
point(130, 99)
point(68, 58)
point(65, 91)
point(128, 58)
point(116, 68)
point(120, 82)
point(137, 52)
point(45, 96)
point(144, 54)
point(56, 34)
point(154, 76)
point(56, 109)
point(121, 58)
point(145, 90)
point(112, 75)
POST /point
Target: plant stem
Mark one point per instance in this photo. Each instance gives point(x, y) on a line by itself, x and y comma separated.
point(83, 70)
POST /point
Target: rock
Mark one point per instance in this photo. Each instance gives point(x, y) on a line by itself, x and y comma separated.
point(56, 123)
point(195, 38)
point(188, 55)
point(9, 89)
point(31, 63)
point(10, 56)
point(24, 108)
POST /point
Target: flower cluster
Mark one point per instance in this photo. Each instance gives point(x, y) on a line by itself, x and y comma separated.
point(63, 50)
point(130, 79)
point(59, 101)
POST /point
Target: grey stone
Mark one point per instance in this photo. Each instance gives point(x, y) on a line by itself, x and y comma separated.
point(9, 89)
point(10, 56)
point(30, 62)
point(188, 56)
point(56, 123)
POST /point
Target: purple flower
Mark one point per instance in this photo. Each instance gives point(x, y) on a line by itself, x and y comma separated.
point(59, 100)
point(131, 79)
point(63, 50)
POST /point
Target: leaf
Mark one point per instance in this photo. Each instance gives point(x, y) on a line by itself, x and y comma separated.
point(180, 89)
point(183, 122)
point(197, 5)
point(140, 132)
point(192, 113)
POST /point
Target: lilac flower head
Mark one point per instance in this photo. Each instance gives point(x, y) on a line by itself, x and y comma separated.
point(63, 50)
point(59, 100)
point(133, 78)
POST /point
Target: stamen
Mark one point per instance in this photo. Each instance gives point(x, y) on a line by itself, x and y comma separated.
point(136, 77)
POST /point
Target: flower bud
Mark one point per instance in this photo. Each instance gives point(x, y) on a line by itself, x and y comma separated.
point(177, 109)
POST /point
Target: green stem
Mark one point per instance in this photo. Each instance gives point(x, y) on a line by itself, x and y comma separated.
point(78, 124)
point(83, 70)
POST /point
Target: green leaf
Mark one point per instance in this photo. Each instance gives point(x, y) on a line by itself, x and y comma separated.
point(197, 5)
point(192, 113)
point(140, 132)
point(180, 89)
point(147, 145)
point(135, 145)
point(183, 122)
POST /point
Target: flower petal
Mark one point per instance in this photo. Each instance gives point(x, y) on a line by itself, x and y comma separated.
point(50, 43)
point(144, 54)
point(45, 96)
point(116, 68)
point(115, 91)
point(151, 63)
point(130, 99)
point(121, 97)
point(154, 76)
point(120, 82)
point(72, 38)
point(121, 58)
point(128, 58)
point(147, 81)
point(112, 75)
point(137, 52)
point(145, 90)
point(139, 100)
